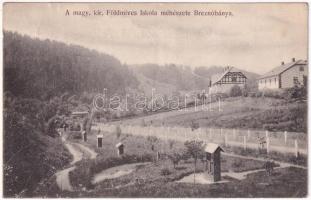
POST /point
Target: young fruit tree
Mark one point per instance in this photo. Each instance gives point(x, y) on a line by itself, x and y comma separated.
point(196, 150)
point(175, 158)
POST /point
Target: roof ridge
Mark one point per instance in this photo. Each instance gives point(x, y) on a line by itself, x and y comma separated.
point(280, 69)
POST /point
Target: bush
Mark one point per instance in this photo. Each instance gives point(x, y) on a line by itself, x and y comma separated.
point(86, 169)
point(194, 125)
point(235, 91)
point(279, 94)
point(165, 172)
point(296, 92)
point(175, 158)
point(118, 131)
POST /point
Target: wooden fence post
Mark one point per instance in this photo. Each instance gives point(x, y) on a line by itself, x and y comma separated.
point(226, 140)
point(219, 105)
point(248, 134)
point(234, 134)
point(268, 144)
point(296, 148)
point(267, 134)
point(285, 137)
point(244, 142)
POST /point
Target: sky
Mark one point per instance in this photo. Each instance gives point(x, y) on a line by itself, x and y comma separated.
point(257, 37)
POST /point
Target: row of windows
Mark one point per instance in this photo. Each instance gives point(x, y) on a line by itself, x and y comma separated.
point(270, 81)
point(295, 80)
point(233, 79)
point(301, 68)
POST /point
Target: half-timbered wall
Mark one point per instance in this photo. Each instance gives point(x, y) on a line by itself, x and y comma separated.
point(225, 84)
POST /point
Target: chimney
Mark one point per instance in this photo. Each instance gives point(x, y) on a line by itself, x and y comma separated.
point(293, 59)
point(282, 62)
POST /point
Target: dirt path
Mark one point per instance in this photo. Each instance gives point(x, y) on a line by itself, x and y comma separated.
point(282, 164)
point(90, 153)
point(62, 179)
point(243, 175)
point(78, 152)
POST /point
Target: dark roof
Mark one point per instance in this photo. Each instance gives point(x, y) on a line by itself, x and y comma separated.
point(280, 69)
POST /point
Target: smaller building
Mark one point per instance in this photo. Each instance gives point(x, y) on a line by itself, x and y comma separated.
point(223, 82)
point(213, 167)
point(99, 141)
point(287, 75)
point(120, 147)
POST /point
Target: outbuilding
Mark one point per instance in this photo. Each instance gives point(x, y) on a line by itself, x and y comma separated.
point(99, 141)
point(213, 167)
point(120, 147)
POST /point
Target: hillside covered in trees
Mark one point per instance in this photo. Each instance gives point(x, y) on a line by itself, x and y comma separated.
point(184, 77)
point(43, 69)
point(180, 76)
point(43, 82)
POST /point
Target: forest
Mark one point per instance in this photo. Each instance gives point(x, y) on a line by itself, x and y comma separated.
point(43, 81)
point(43, 69)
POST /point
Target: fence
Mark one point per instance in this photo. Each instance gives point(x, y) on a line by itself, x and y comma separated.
point(282, 142)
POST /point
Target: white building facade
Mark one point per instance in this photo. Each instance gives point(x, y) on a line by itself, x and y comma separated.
point(285, 76)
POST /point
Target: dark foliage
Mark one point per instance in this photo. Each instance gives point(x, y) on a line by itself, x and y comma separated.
point(30, 154)
point(235, 91)
point(43, 69)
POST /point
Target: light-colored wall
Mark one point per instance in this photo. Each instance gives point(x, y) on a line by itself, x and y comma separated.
point(287, 77)
point(223, 88)
point(268, 83)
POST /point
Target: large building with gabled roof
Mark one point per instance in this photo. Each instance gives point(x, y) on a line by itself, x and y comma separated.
point(223, 82)
point(287, 75)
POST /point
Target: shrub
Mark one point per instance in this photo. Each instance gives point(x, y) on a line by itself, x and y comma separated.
point(194, 125)
point(279, 94)
point(175, 158)
point(118, 131)
point(165, 172)
point(171, 143)
point(296, 92)
point(235, 91)
point(152, 140)
point(87, 168)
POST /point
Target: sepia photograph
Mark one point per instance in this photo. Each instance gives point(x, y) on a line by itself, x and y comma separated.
point(155, 100)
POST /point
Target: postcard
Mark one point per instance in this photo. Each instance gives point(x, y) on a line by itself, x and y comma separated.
point(155, 100)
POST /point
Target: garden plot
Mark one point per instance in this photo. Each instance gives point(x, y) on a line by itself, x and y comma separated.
point(116, 172)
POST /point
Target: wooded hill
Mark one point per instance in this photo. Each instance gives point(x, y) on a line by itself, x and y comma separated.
point(43, 69)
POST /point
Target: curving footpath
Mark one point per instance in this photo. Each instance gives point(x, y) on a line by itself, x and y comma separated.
point(78, 152)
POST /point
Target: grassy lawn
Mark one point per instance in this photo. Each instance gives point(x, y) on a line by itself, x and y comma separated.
point(237, 112)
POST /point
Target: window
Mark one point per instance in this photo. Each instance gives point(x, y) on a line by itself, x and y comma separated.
point(301, 68)
point(296, 81)
point(233, 79)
